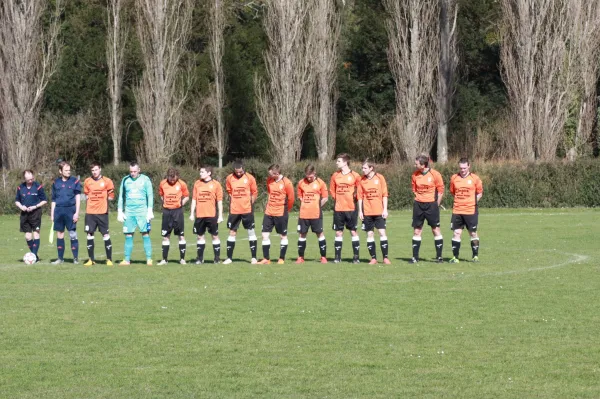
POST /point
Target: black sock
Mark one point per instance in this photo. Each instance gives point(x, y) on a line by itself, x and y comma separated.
point(217, 249)
point(475, 246)
point(301, 247)
point(323, 247)
point(371, 248)
point(416, 246)
point(439, 246)
point(90, 248)
point(355, 246)
point(253, 245)
point(165, 250)
point(108, 249)
point(230, 248)
point(200, 250)
point(283, 248)
point(383, 243)
point(36, 246)
point(266, 245)
point(30, 245)
point(182, 249)
point(337, 245)
point(455, 248)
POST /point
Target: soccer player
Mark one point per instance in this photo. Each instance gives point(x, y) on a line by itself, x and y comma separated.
point(66, 199)
point(312, 193)
point(343, 187)
point(467, 190)
point(372, 209)
point(280, 201)
point(99, 190)
point(136, 201)
point(30, 199)
point(174, 195)
point(242, 190)
point(207, 211)
point(428, 188)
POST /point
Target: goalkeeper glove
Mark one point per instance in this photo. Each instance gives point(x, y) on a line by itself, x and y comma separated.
point(149, 215)
point(121, 216)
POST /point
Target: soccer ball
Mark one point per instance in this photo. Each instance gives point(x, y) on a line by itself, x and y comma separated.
point(29, 258)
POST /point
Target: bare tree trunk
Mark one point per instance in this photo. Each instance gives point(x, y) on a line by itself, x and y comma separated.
point(447, 74)
point(28, 59)
point(284, 96)
point(163, 28)
point(217, 25)
point(585, 37)
point(116, 40)
point(413, 54)
point(537, 69)
point(326, 25)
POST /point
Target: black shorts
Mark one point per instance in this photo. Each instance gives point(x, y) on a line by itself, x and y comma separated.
point(31, 221)
point(99, 222)
point(316, 225)
point(279, 222)
point(172, 220)
point(429, 211)
point(203, 224)
point(247, 219)
point(345, 219)
point(371, 222)
point(460, 221)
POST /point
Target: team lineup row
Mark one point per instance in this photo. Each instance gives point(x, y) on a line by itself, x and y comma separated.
point(355, 197)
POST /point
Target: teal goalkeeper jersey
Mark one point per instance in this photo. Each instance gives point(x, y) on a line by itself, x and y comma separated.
point(136, 196)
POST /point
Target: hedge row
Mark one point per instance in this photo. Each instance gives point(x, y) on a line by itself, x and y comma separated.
point(506, 185)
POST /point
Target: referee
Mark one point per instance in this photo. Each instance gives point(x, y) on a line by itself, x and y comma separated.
point(30, 199)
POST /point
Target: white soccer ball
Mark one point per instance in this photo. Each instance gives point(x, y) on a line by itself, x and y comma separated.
point(29, 258)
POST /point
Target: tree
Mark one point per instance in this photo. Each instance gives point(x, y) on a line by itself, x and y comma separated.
point(284, 95)
point(326, 23)
point(28, 59)
point(163, 27)
point(413, 54)
point(537, 67)
point(117, 34)
point(586, 40)
point(447, 74)
point(217, 26)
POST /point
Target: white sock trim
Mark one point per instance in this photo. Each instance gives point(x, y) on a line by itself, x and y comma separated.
point(322, 238)
point(417, 238)
point(355, 238)
point(370, 239)
point(301, 239)
point(216, 242)
point(438, 238)
point(201, 242)
point(383, 238)
point(231, 238)
point(266, 242)
point(455, 240)
point(284, 241)
point(340, 239)
point(474, 238)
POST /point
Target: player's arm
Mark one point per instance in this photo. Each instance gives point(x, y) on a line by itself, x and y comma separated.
point(479, 189)
point(413, 183)
point(323, 193)
point(289, 189)
point(253, 190)
point(220, 202)
point(77, 205)
point(53, 204)
point(384, 194)
point(161, 194)
point(332, 187)
point(18, 200)
point(359, 196)
point(120, 213)
point(185, 194)
point(439, 185)
point(452, 187)
point(110, 189)
point(193, 210)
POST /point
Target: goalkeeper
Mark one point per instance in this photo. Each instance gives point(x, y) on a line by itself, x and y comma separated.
point(136, 201)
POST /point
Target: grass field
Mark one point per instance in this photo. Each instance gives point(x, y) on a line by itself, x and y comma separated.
point(522, 323)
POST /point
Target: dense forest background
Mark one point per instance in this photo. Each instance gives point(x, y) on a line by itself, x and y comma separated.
point(75, 110)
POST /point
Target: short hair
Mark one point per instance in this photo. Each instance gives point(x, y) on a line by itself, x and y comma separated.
point(172, 172)
point(207, 168)
point(133, 164)
point(27, 171)
point(274, 168)
point(345, 157)
point(369, 163)
point(423, 159)
point(238, 164)
point(94, 164)
point(310, 169)
point(464, 160)
point(62, 164)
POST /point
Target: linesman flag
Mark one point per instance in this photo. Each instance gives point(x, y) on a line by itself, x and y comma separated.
point(51, 236)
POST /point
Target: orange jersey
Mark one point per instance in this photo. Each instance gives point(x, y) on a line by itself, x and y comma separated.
point(371, 192)
point(173, 194)
point(427, 186)
point(242, 191)
point(465, 191)
point(207, 194)
point(281, 194)
point(310, 195)
point(98, 193)
point(343, 190)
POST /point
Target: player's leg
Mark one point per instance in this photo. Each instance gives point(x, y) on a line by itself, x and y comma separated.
point(317, 228)
point(199, 229)
point(59, 227)
point(90, 229)
point(282, 248)
point(471, 222)
point(418, 220)
point(302, 231)
point(439, 243)
point(338, 227)
point(380, 225)
point(179, 230)
point(267, 228)
point(36, 243)
point(456, 225)
point(166, 243)
point(216, 242)
point(432, 215)
point(281, 224)
point(230, 246)
point(143, 228)
point(29, 240)
point(107, 248)
point(371, 245)
point(129, 226)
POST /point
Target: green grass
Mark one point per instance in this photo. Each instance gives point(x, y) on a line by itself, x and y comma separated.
point(522, 323)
